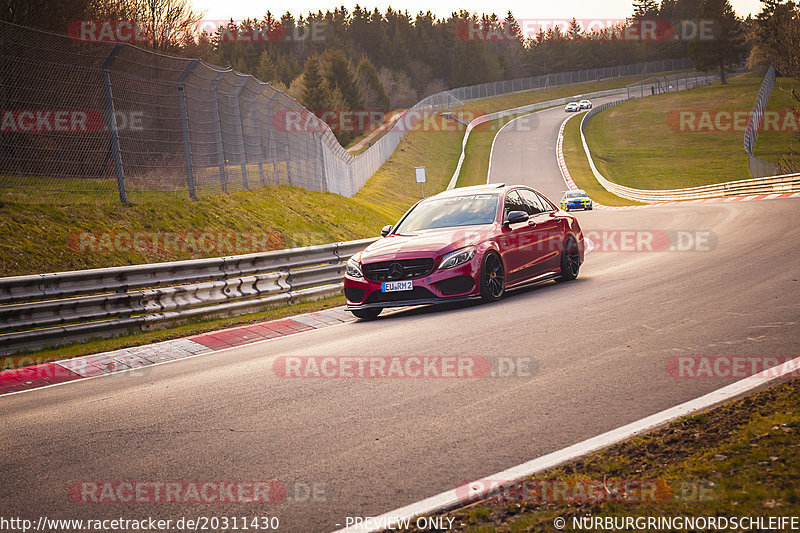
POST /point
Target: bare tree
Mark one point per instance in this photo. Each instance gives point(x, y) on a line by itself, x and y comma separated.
point(167, 23)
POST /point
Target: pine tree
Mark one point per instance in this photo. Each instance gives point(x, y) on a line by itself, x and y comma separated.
point(266, 70)
point(574, 30)
point(645, 9)
point(725, 46)
point(315, 95)
point(339, 75)
point(370, 85)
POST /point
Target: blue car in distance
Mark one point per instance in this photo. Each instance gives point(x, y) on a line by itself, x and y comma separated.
point(577, 199)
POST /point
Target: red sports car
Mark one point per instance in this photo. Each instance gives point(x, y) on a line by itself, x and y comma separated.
point(472, 242)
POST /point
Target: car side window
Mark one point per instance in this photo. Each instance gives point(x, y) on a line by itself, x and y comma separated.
point(545, 204)
point(513, 203)
point(532, 202)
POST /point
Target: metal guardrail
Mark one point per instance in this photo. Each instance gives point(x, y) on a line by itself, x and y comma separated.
point(774, 184)
point(758, 167)
point(43, 310)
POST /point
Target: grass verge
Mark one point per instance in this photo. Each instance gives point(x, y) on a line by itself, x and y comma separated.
point(46, 237)
point(579, 168)
point(641, 143)
point(737, 460)
point(778, 141)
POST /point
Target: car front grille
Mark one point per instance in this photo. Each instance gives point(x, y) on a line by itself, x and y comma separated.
point(398, 269)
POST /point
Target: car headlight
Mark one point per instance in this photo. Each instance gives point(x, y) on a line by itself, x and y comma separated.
point(353, 268)
point(458, 257)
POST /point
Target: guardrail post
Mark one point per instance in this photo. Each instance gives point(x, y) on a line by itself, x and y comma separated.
point(112, 123)
point(187, 148)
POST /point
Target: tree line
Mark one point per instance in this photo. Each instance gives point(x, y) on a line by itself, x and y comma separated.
point(371, 59)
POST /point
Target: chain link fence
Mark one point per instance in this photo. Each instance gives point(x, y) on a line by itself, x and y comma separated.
point(82, 119)
point(670, 83)
point(558, 79)
point(758, 167)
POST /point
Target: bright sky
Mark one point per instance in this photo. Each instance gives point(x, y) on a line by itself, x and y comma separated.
point(522, 9)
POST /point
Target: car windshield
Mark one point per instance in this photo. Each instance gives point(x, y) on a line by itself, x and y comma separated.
point(451, 211)
point(575, 195)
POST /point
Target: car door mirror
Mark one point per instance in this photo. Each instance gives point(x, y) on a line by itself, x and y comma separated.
point(515, 217)
point(385, 230)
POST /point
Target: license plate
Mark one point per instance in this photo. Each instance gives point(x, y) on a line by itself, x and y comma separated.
point(394, 286)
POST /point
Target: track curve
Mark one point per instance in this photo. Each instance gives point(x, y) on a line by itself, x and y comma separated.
point(600, 344)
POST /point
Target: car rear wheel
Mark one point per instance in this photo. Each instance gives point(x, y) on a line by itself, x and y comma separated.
point(570, 260)
point(367, 314)
point(492, 278)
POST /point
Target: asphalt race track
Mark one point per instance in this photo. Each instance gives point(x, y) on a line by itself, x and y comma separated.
point(600, 345)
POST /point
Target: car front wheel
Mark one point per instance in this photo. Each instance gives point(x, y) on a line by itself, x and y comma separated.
point(570, 260)
point(492, 278)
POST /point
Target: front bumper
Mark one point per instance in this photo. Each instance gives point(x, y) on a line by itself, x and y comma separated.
point(439, 286)
point(577, 205)
point(411, 303)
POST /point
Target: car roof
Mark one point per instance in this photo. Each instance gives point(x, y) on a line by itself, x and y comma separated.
point(477, 189)
point(461, 191)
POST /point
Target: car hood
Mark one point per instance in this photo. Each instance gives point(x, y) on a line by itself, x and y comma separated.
point(427, 243)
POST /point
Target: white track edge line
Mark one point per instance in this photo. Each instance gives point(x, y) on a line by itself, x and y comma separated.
point(451, 499)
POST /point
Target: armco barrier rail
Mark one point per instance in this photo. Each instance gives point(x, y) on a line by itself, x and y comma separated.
point(758, 167)
point(43, 310)
point(774, 184)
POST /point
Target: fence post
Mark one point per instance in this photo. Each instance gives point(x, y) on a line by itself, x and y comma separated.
point(112, 122)
point(223, 176)
point(237, 116)
point(187, 149)
point(271, 152)
point(261, 176)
